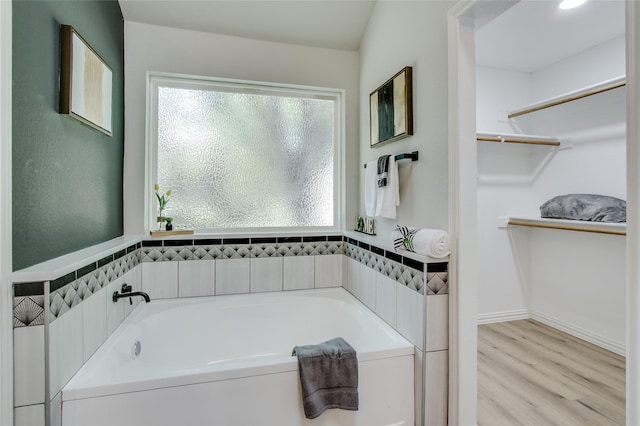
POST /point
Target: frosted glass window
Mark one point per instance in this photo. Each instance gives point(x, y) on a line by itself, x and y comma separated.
point(238, 157)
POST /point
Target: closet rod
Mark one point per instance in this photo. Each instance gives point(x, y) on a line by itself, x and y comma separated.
point(510, 139)
point(412, 155)
point(567, 227)
point(572, 96)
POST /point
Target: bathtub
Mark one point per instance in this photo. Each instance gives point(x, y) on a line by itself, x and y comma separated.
point(226, 360)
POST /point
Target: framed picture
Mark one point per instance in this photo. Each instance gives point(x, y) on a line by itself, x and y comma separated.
point(391, 109)
point(85, 82)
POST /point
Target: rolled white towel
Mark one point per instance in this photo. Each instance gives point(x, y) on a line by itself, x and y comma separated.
point(427, 242)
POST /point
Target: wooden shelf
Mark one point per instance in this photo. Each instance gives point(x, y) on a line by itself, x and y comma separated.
point(570, 225)
point(169, 233)
point(595, 89)
point(516, 138)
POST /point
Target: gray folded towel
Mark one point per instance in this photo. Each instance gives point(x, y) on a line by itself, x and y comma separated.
point(383, 170)
point(328, 375)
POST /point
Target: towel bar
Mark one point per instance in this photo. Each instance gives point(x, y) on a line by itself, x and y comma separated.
point(413, 156)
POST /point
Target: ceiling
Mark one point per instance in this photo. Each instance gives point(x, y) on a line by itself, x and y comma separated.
point(335, 24)
point(535, 33)
point(528, 36)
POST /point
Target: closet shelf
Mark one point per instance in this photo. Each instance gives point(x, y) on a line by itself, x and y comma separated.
point(570, 225)
point(517, 138)
point(604, 86)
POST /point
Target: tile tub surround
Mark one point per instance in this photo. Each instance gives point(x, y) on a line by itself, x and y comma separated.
point(199, 266)
point(411, 295)
point(59, 323)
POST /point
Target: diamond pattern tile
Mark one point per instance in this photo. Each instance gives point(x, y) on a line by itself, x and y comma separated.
point(264, 250)
point(93, 284)
point(215, 252)
point(83, 287)
point(437, 283)
point(335, 247)
point(200, 253)
point(28, 311)
point(151, 254)
point(235, 251)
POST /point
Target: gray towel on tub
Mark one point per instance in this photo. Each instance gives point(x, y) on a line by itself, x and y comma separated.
point(328, 375)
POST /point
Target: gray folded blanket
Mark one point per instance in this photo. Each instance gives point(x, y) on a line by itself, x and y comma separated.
point(589, 207)
point(328, 375)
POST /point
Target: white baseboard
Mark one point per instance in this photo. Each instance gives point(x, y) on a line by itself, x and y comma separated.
point(518, 314)
point(581, 333)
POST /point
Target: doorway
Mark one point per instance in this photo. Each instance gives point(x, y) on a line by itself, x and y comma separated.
point(465, 20)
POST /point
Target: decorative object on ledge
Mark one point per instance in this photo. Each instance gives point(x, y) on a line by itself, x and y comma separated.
point(413, 156)
point(85, 82)
point(162, 203)
point(366, 225)
point(169, 225)
point(173, 232)
point(391, 109)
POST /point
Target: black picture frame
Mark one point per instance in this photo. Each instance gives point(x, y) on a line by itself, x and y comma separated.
point(391, 109)
point(86, 82)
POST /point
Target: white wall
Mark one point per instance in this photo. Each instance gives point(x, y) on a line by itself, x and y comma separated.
point(505, 175)
point(154, 48)
point(403, 34)
point(575, 281)
point(599, 63)
point(6, 292)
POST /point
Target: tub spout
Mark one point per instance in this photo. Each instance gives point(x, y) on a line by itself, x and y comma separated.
point(126, 292)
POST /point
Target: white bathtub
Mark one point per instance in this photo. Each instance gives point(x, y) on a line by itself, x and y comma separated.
point(226, 360)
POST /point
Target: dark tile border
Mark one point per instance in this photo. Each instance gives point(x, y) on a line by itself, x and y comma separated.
point(175, 243)
point(208, 242)
point(413, 263)
point(28, 289)
point(62, 281)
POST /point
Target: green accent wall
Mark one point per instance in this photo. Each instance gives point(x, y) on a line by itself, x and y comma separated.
point(67, 176)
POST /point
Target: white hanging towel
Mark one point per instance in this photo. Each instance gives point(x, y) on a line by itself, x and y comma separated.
point(370, 188)
point(388, 196)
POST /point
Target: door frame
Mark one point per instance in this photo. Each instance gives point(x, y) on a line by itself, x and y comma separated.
point(463, 20)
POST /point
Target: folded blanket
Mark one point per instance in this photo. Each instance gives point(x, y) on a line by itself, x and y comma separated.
point(589, 207)
point(427, 242)
point(328, 375)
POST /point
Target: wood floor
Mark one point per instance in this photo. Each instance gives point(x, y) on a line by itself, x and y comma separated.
point(531, 374)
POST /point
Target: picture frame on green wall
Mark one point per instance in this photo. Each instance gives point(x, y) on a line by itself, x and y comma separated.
point(391, 109)
point(86, 82)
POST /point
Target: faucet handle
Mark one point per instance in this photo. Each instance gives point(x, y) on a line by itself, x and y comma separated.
point(125, 288)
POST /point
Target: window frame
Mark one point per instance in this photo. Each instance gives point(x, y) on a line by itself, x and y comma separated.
point(157, 79)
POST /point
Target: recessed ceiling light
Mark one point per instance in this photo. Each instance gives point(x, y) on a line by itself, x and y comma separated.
point(570, 4)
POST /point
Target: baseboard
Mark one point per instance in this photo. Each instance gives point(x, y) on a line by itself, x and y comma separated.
point(581, 333)
point(518, 314)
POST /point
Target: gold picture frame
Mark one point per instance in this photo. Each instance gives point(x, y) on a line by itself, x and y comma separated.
point(86, 82)
point(391, 109)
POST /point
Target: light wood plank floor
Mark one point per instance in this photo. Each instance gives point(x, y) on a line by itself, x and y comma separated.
point(531, 374)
